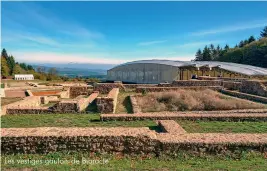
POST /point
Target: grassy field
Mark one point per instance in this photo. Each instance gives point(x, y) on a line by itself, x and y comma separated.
point(249, 161)
point(223, 127)
point(67, 120)
point(189, 100)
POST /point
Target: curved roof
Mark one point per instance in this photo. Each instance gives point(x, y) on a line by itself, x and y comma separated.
point(233, 67)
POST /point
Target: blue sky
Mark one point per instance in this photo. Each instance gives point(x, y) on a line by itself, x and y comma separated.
point(117, 32)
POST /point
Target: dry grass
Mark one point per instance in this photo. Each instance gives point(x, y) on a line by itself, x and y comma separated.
point(183, 100)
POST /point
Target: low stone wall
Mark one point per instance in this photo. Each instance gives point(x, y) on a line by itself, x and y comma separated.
point(27, 102)
point(75, 91)
point(207, 78)
point(231, 85)
point(126, 141)
point(230, 115)
point(48, 99)
point(82, 102)
point(164, 89)
point(29, 110)
point(108, 104)
point(105, 88)
point(196, 83)
point(65, 94)
point(135, 107)
point(254, 87)
point(132, 86)
point(66, 106)
point(245, 96)
point(171, 127)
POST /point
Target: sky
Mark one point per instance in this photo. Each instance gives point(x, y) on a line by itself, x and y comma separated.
point(118, 32)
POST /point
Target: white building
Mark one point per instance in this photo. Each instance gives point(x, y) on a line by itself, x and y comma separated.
point(24, 77)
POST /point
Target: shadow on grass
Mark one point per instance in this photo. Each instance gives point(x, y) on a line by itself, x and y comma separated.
point(127, 104)
point(155, 128)
point(92, 108)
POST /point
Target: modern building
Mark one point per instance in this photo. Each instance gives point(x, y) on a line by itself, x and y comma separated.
point(24, 77)
point(160, 71)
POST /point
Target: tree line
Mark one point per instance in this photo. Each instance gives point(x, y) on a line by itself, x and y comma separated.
point(9, 67)
point(250, 51)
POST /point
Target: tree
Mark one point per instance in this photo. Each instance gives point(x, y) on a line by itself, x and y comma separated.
point(246, 42)
point(23, 66)
point(11, 64)
point(4, 67)
point(226, 48)
point(206, 54)
point(199, 56)
point(29, 67)
point(4, 53)
point(251, 39)
point(18, 70)
point(241, 44)
point(264, 32)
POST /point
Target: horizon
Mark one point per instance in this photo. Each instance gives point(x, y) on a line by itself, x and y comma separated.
point(111, 33)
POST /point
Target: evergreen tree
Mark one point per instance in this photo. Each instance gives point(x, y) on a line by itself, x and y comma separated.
point(206, 54)
point(241, 44)
point(236, 46)
point(199, 56)
point(23, 66)
point(11, 64)
point(226, 48)
point(251, 39)
point(264, 32)
point(4, 53)
point(29, 67)
point(4, 67)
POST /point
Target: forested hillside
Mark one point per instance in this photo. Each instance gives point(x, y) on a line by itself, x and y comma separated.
point(249, 51)
point(9, 67)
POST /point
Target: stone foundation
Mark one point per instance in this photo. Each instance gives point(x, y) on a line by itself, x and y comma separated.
point(254, 87)
point(196, 83)
point(171, 127)
point(245, 96)
point(75, 91)
point(135, 107)
point(108, 104)
point(165, 89)
point(105, 88)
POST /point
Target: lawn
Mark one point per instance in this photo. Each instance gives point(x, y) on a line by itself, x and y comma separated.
point(67, 120)
point(249, 161)
point(190, 100)
point(223, 127)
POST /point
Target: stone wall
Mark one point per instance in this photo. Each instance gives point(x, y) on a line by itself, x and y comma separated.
point(132, 86)
point(29, 92)
point(105, 88)
point(29, 110)
point(231, 85)
point(66, 106)
point(196, 83)
point(207, 78)
point(165, 89)
point(224, 115)
point(108, 104)
point(126, 141)
point(49, 99)
point(246, 96)
point(27, 102)
point(83, 102)
point(171, 127)
point(65, 94)
point(75, 91)
point(254, 87)
point(135, 107)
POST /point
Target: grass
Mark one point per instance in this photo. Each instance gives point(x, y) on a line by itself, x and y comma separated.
point(67, 120)
point(223, 127)
point(123, 103)
point(187, 100)
point(249, 161)
point(8, 100)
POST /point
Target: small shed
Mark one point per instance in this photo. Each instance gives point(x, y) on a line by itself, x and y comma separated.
point(24, 77)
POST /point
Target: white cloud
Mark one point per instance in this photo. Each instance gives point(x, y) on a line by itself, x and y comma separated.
point(232, 28)
point(151, 42)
